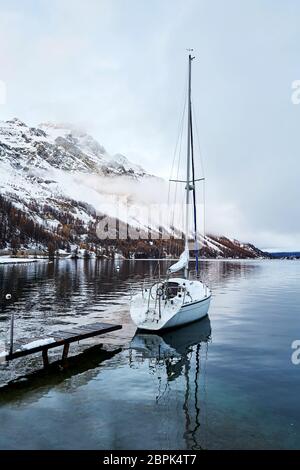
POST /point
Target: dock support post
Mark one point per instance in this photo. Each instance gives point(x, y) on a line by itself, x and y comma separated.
point(65, 352)
point(12, 321)
point(45, 357)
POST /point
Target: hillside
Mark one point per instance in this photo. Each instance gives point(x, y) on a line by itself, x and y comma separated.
point(57, 183)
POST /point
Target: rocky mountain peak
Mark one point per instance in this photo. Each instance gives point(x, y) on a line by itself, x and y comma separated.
point(60, 145)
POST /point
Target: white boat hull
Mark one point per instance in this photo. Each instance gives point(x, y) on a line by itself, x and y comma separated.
point(189, 313)
point(179, 310)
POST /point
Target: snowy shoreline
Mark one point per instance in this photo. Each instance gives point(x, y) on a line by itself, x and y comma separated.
point(8, 260)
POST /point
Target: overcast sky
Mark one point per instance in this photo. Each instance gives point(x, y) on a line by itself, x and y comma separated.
point(118, 69)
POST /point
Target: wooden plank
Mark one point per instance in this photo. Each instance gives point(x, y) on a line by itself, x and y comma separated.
point(101, 324)
point(63, 337)
point(97, 325)
point(87, 327)
point(78, 331)
point(83, 332)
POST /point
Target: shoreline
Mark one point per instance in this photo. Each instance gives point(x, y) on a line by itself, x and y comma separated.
point(6, 260)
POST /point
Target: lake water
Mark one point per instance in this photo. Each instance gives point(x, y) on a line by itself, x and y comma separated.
point(226, 382)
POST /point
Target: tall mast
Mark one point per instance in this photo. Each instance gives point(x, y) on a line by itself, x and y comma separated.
point(194, 198)
point(187, 200)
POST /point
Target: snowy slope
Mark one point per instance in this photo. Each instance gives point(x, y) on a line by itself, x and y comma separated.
point(55, 163)
point(55, 172)
point(59, 146)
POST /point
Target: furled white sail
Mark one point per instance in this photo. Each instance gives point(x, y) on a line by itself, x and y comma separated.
point(181, 263)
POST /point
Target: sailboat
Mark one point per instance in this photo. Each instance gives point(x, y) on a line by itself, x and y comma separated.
point(176, 301)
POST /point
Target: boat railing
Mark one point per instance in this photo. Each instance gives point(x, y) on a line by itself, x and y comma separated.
point(158, 295)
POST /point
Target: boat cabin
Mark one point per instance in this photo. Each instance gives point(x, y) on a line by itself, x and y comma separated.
point(172, 289)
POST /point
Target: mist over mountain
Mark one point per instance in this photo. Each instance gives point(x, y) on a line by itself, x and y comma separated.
point(57, 182)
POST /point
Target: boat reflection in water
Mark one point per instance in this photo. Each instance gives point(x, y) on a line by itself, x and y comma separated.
point(173, 355)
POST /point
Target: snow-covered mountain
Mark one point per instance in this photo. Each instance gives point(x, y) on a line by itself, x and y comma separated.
point(61, 180)
point(60, 166)
point(59, 146)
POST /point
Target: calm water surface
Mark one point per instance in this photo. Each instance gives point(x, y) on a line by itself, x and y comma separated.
point(226, 382)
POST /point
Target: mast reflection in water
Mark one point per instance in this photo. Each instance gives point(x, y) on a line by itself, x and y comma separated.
point(173, 355)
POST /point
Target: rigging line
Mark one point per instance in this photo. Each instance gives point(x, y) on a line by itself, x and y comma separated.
point(179, 155)
point(181, 220)
point(177, 177)
point(184, 98)
point(198, 142)
point(204, 218)
point(203, 174)
point(176, 184)
point(155, 269)
point(178, 144)
point(178, 168)
point(194, 193)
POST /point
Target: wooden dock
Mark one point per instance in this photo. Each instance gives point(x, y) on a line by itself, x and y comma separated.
point(63, 338)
